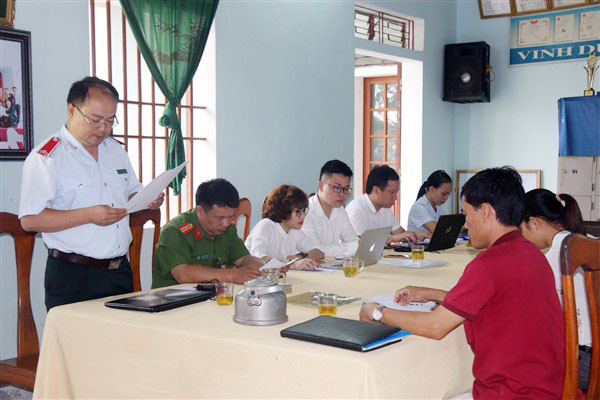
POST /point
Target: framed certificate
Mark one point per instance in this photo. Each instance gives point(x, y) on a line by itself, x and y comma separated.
point(530, 6)
point(564, 28)
point(562, 4)
point(494, 8)
point(589, 25)
point(534, 32)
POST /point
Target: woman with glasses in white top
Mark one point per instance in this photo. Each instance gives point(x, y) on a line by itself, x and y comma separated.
point(278, 234)
point(547, 220)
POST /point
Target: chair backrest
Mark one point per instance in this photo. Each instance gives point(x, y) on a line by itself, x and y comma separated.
point(27, 338)
point(136, 224)
point(245, 209)
point(579, 251)
point(592, 228)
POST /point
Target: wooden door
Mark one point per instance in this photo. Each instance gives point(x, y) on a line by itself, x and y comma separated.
point(381, 131)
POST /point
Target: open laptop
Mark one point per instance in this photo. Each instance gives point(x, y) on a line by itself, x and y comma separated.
point(163, 300)
point(370, 248)
point(444, 237)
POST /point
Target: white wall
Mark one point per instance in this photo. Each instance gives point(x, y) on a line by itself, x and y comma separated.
point(285, 86)
point(60, 55)
point(519, 127)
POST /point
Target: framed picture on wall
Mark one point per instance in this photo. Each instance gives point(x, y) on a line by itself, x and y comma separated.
point(562, 4)
point(532, 179)
point(494, 8)
point(16, 118)
point(530, 6)
point(7, 12)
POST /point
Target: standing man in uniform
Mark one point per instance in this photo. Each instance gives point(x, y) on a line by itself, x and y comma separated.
point(74, 188)
point(202, 244)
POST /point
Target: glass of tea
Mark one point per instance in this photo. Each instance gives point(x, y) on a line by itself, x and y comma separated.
point(417, 252)
point(352, 266)
point(327, 304)
point(224, 293)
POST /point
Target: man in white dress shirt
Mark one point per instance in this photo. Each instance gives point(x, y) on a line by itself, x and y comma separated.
point(75, 186)
point(373, 209)
point(327, 222)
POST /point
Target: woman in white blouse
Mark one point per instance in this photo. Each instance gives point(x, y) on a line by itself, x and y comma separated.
point(426, 211)
point(547, 220)
point(278, 234)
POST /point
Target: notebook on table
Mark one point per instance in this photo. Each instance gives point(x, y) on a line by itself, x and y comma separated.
point(444, 236)
point(163, 300)
point(345, 333)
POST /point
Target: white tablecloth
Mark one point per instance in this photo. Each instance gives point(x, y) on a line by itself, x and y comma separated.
point(197, 351)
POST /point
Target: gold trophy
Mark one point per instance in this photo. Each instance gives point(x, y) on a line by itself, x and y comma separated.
point(591, 73)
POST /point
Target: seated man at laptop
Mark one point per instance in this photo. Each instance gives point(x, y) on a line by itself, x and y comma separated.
point(505, 298)
point(373, 209)
point(327, 222)
point(202, 244)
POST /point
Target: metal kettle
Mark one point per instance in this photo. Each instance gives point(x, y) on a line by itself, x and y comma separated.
point(262, 301)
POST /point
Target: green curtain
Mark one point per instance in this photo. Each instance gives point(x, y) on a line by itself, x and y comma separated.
point(171, 35)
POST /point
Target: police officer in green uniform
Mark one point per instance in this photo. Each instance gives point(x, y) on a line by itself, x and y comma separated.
point(202, 245)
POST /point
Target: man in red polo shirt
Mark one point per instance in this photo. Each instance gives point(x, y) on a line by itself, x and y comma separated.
point(505, 298)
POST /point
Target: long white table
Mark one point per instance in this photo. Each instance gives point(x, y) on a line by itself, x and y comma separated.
point(197, 351)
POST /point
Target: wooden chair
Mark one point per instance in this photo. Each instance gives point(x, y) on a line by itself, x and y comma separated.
point(245, 209)
point(136, 224)
point(21, 370)
point(592, 228)
point(579, 251)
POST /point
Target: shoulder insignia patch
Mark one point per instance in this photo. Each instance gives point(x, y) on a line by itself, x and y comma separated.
point(197, 233)
point(49, 147)
point(186, 228)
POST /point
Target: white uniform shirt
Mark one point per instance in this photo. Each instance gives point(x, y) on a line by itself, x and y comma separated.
point(421, 213)
point(583, 311)
point(69, 178)
point(268, 238)
point(334, 235)
point(363, 216)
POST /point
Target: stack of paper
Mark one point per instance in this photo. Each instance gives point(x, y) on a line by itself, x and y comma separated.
point(388, 301)
point(276, 264)
point(408, 263)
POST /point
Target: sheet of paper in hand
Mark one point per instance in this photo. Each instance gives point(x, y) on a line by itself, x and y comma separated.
point(151, 191)
point(388, 301)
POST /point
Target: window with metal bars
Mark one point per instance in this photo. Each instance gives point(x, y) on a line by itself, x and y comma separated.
point(383, 27)
point(115, 57)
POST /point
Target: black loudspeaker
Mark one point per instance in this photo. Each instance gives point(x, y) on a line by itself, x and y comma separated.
point(466, 79)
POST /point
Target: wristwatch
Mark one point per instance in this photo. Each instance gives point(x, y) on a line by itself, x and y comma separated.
point(378, 314)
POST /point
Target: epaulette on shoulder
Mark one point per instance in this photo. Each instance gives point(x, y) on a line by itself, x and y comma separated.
point(186, 228)
point(49, 147)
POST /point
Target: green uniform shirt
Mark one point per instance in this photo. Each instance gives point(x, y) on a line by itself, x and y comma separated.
point(183, 241)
